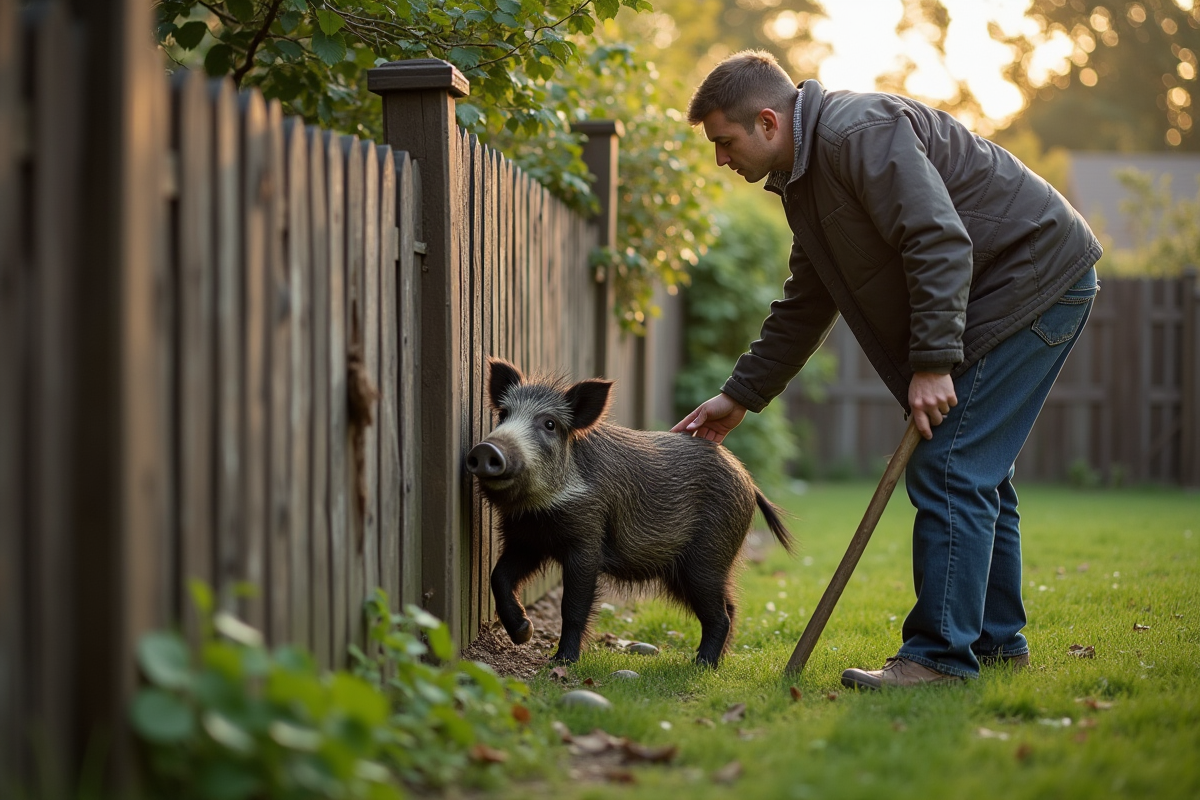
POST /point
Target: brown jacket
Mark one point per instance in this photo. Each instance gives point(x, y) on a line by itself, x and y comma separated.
point(933, 243)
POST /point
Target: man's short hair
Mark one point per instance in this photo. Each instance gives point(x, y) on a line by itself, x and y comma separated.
point(741, 86)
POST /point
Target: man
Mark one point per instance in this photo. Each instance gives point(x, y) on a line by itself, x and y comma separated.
point(966, 279)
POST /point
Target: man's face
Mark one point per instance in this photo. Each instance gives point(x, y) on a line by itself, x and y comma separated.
point(751, 154)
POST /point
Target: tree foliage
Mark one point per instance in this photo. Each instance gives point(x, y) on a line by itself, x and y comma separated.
point(1166, 231)
point(1130, 82)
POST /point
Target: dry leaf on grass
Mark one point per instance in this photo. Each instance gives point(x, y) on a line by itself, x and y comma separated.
point(564, 733)
point(1091, 702)
point(728, 773)
point(649, 755)
point(1024, 751)
point(1139, 628)
point(706, 722)
point(598, 741)
point(489, 755)
point(1082, 651)
point(618, 775)
point(831, 696)
point(796, 694)
point(588, 682)
point(559, 673)
point(734, 713)
point(521, 714)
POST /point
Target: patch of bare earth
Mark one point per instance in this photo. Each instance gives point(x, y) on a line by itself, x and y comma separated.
point(494, 648)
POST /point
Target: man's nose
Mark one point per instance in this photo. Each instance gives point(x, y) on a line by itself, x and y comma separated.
point(722, 157)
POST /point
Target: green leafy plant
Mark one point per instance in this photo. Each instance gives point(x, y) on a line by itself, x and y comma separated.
point(232, 719)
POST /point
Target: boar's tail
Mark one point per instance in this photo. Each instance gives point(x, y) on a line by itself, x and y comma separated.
point(772, 515)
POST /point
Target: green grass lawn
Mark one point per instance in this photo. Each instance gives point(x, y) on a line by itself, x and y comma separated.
point(1096, 564)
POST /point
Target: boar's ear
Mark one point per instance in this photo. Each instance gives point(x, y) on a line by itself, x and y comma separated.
point(588, 400)
point(502, 376)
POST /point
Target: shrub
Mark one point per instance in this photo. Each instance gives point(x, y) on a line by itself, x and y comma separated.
point(234, 720)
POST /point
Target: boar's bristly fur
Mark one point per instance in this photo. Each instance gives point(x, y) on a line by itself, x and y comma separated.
point(600, 499)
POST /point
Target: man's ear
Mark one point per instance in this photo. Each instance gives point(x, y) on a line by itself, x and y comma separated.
point(770, 122)
point(588, 400)
point(501, 377)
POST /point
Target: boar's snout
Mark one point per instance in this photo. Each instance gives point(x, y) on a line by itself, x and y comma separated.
point(486, 461)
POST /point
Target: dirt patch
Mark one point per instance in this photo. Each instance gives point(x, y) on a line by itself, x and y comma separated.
point(494, 648)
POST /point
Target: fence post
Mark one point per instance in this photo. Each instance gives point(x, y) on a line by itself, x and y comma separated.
point(600, 155)
point(418, 117)
point(1189, 395)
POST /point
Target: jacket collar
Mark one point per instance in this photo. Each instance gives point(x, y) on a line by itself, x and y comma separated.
point(808, 106)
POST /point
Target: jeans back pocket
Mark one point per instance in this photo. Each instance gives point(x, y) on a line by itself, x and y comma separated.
point(1059, 323)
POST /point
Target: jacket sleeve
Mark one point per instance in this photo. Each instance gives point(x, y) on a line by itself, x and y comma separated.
point(885, 165)
point(790, 335)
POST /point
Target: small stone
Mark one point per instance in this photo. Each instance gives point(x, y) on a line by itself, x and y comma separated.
point(642, 649)
point(582, 697)
point(626, 675)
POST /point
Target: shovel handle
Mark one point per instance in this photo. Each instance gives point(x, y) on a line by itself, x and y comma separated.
point(837, 584)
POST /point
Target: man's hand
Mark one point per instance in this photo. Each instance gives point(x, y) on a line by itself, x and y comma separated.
point(713, 419)
point(930, 396)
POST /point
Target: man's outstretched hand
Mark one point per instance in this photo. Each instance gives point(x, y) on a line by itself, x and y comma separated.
point(713, 419)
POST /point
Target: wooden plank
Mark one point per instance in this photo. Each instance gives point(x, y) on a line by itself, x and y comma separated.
point(320, 598)
point(12, 326)
point(278, 423)
point(479, 553)
point(353, 271)
point(341, 531)
point(226, 215)
point(388, 381)
point(54, 107)
point(487, 185)
point(370, 310)
point(299, 252)
point(195, 262)
point(256, 219)
point(408, 309)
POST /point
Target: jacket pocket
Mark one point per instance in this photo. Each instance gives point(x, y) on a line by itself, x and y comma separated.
point(848, 241)
point(1059, 323)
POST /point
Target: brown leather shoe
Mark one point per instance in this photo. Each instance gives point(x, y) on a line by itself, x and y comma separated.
point(896, 671)
point(1015, 663)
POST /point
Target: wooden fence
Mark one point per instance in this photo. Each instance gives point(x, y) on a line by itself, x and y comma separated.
point(1126, 407)
point(237, 348)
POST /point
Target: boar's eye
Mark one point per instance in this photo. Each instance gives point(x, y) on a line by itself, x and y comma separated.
point(502, 415)
point(549, 424)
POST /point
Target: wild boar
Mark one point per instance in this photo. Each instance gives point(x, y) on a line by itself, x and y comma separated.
point(600, 499)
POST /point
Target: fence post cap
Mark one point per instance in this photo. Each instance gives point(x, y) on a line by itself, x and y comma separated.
point(599, 127)
point(415, 74)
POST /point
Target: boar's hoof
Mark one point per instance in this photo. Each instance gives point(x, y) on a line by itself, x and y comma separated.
point(523, 633)
point(706, 661)
point(564, 658)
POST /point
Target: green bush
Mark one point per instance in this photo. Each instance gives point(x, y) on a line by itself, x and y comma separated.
point(234, 720)
point(732, 287)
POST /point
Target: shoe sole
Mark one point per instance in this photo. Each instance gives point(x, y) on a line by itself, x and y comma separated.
point(860, 681)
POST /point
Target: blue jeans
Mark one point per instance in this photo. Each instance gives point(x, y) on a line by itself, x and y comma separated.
point(967, 537)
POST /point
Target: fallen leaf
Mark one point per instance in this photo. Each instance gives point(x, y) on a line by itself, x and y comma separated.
point(831, 696)
point(1091, 702)
point(706, 722)
point(1081, 651)
point(728, 773)
point(618, 775)
point(521, 714)
point(1138, 627)
point(564, 733)
point(1024, 751)
point(489, 755)
point(589, 682)
point(1178, 616)
point(1082, 567)
point(734, 713)
point(988, 733)
point(747, 735)
point(559, 673)
point(594, 743)
point(796, 694)
point(650, 755)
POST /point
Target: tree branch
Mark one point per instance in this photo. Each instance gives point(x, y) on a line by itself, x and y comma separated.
point(241, 71)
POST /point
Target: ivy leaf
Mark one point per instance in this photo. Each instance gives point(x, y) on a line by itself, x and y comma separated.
point(330, 49)
point(607, 9)
point(330, 22)
point(161, 717)
point(190, 34)
point(219, 60)
point(242, 9)
point(164, 658)
point(468, 116)
point(465, 57)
